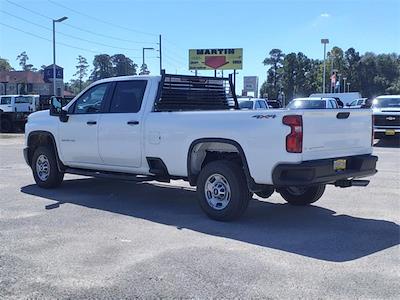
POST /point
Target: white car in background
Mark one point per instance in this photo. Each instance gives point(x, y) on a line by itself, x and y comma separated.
point(252, 103)
point(357, 103)
point(313, 103)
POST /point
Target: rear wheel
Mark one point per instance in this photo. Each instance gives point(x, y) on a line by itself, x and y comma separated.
point(266, 193)
point(302, 195)
point(44, 168)
point(222, 190)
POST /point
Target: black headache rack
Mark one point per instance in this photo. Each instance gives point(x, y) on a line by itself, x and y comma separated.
point(188, 93)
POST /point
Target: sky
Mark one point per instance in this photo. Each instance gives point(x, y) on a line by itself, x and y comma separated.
point(126, 26)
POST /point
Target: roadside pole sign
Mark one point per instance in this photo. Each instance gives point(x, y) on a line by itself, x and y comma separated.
point(216, 59)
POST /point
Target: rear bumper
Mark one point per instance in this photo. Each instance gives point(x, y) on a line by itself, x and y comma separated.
point(322, 171)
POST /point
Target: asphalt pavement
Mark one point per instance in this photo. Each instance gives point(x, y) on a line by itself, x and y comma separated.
point(93, 238)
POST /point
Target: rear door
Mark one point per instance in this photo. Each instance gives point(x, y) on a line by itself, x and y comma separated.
point(336, 133)
point(120, 130)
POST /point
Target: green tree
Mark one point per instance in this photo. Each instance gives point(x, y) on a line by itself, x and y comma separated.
point(289, 75)
point(5, 65)
point(23, 61)
point(123, 65)
point(144, 70)
point(75, 86)
point(274, 73)
point(102, 67)
point(368, 71)
point(352, 64)
point(81, 70)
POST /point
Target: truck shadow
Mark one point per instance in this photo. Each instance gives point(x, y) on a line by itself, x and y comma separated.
point(312, 231)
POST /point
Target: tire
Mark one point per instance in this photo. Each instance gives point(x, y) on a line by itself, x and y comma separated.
point(44, 168)
point(6, 125)
point(222, 190)
point(302, 195)
point(266, 193)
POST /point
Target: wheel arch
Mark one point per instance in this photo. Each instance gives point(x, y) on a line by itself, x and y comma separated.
point(42, 138)
point(195, 161)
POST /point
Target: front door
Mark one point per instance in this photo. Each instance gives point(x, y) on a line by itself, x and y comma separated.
point(78, 136)
point(120, 129)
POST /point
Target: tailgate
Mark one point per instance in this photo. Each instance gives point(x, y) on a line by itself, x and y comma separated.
point(336, 133)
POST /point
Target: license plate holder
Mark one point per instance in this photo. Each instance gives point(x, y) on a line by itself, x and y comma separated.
point(390, 132)
point(339, 165)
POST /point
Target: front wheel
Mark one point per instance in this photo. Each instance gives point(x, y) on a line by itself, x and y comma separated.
point(44, 168)
point(302, 195)
point(222, 190)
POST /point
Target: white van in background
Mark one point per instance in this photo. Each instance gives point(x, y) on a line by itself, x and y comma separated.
point(14, 110)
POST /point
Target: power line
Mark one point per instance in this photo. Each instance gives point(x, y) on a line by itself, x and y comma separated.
point(81, 29)
point(171, 58)
point(40, 37)
point(68, 35)
point(100, 20)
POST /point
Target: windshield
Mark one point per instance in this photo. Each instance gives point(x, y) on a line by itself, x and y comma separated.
point(309, 104)
point(386, 102)
point(246, 104)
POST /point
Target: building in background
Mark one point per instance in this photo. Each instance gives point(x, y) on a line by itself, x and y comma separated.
point(29, 82)
point(250, 86)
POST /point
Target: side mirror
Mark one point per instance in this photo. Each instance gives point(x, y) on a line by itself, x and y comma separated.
point(56, 109)
point(55, 106)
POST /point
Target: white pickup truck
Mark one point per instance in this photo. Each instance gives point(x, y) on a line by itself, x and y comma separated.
point(182, 127)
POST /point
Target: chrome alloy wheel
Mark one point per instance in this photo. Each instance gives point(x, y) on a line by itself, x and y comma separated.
point(217, 191)
point(43, 167)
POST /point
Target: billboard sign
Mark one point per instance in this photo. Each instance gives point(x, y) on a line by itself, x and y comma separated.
point(250, 84)
point(216, 59)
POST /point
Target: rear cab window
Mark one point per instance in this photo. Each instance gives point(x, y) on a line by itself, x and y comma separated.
point(128, 96)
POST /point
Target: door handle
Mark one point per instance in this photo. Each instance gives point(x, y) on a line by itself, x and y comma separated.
point(132, 122)
point(343, 115)
point(91, 122)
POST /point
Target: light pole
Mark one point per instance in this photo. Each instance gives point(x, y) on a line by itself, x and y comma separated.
point(348, 87)
point(143, 65)
point(344, 84)
point(324, 41)
point(54, 52)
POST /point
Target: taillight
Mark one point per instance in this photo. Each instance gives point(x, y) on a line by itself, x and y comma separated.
point(294, 140)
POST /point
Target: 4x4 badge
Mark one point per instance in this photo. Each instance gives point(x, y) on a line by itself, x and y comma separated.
point(264, 116)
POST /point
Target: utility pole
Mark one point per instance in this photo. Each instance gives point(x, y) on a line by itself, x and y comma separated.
point(160, 50)
point(324, 41)
point(344, 84)
point(54, 52)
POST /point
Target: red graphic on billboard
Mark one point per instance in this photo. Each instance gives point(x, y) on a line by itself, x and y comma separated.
point(215, 61)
